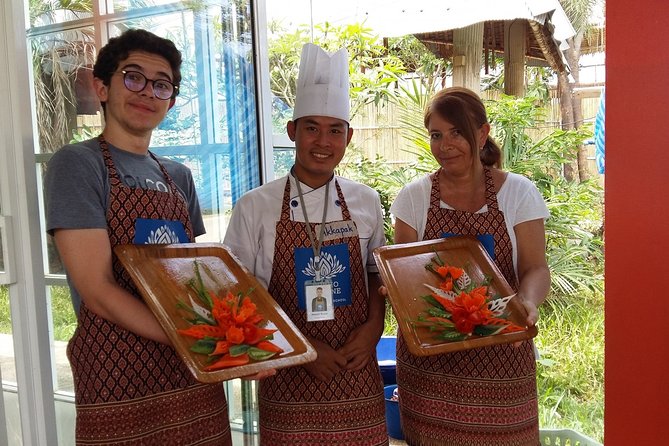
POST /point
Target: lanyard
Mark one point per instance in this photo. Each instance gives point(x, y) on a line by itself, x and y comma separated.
point(316, 247)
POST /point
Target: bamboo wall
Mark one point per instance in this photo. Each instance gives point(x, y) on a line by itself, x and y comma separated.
point(377, 131)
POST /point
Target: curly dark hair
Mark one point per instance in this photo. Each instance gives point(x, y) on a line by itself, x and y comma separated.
point(119, 48)
point(465, 110)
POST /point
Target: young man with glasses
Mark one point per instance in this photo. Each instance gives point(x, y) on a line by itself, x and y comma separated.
point(130, 385)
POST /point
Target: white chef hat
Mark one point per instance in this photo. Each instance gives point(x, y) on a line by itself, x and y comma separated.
point(322, 84)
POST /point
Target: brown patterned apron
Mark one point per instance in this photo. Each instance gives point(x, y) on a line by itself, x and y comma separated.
point(130, 390)
point(480, 397)
point(296, 409)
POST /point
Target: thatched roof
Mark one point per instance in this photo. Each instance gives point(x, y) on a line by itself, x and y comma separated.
point(541, 47)
point(433, 22)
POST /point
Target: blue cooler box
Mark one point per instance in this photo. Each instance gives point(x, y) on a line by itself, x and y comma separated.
point(392, 414)
point(385, 355)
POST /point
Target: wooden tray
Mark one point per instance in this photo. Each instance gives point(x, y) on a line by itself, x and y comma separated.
point(402, 269)
point(161, 273)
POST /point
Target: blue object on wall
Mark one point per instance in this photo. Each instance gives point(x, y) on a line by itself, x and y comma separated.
point(599, 134)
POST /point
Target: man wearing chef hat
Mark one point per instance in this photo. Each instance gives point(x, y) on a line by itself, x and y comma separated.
point(313, 229)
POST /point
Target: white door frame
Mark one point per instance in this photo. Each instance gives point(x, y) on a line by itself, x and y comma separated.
point(19, 196)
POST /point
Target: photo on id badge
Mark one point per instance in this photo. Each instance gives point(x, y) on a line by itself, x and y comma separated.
point(319, 300)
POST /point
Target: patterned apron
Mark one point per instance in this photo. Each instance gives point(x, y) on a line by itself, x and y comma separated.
point(130, 390)
point(296, 409)
point(480, 397)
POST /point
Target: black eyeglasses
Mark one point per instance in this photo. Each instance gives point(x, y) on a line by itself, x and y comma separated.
point(136, 81)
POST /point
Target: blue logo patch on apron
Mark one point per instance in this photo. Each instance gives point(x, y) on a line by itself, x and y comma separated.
point(335, 266)
point(158, 232)
point(487, 240)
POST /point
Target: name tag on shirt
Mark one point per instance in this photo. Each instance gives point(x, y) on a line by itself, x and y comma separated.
point(338, 230)
point(158, 232)
point(335, 268)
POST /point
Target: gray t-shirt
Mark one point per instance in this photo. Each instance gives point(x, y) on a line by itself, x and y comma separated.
point(77, 186)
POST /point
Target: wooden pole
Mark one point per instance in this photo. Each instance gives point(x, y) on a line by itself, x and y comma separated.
point(467, 53)
point(515, 45)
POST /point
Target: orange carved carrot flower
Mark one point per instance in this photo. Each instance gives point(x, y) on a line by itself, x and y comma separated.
point(468, 310)
point(459, 308)
point(446, 285)
point(227, 328)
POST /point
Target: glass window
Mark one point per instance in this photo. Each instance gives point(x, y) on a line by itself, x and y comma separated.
point(182, 125)
point(8, 372)
point(2, 254)
point(243, 411)
point(45, 13)
point(129, 5)
point(11, 402)
point(2, 242)
point(64, 323)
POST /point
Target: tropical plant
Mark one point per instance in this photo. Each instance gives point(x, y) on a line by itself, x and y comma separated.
point(413, 102)
point(378, 175)
point(571, 385)
point(60, 60)
point(372, 69)
point(48, 11)
point(417, 59)
point(574, 242)
point(62, 312)
point(573, 233)
point(579, 13)
point(84, 133)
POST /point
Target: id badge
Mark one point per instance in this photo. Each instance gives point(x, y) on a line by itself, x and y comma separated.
point(332, 266)
point(319, 304)
point(156, 231)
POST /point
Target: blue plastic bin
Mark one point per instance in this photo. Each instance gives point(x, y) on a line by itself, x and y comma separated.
point(392, 414)
point(385, 355)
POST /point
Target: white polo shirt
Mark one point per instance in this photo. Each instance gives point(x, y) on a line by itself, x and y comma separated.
point(251, 233)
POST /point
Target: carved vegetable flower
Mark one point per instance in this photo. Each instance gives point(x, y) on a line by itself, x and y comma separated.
point(460, 308)
point(228, 328)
